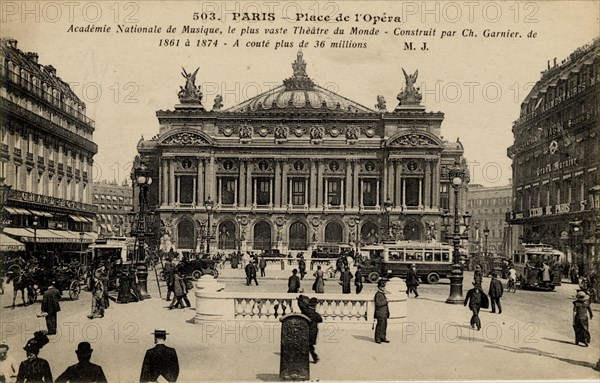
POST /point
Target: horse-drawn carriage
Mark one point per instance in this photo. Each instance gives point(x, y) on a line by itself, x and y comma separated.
point(37, 273)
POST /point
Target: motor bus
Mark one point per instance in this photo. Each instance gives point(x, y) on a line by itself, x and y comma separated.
point(433, 260)
point(528, 264)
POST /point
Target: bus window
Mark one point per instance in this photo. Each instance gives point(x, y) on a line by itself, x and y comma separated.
point(428, 256)
point(438, 256)
point(410, 256)
point(445, 256)
point(394, 256)
point(419, 255)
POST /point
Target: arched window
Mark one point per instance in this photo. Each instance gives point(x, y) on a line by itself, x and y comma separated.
point(369, 233)
point(413, 231)
point(186, 235)
point(334, 233)
point(227, 235)
point(262, 236)
point(298, 236)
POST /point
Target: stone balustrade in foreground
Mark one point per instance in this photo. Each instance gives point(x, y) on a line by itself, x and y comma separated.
point(214, 303)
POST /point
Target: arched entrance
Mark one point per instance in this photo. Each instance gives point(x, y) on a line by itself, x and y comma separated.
point(226, 235)
point(262, 236)
point(186, 235)
point(369, 233)
point(298, 236)
point(413, 231)
point(334, 233)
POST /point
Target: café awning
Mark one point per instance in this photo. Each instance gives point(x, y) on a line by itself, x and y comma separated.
point(9, 244)
point(41, 213)
point(48, 236)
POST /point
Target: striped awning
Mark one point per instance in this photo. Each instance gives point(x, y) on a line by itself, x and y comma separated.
point(9, 244)
point(41, 213)
point(17, 211)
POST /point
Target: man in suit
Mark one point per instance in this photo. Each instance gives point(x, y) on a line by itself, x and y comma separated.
point(308, 307)
point(51, 307)
point(382, 313)
point(160, 360)
point(495, 292)
point(84, 371)
point(358, 279)
point(294, 282)
point(476, 299)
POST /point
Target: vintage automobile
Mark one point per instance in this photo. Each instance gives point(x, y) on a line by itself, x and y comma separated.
point(196, 266)
point(528, 264)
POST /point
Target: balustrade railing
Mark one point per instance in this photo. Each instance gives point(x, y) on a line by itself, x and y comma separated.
point(215, 304)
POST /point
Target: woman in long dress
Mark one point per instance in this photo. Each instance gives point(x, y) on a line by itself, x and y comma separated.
point(319, 285)
point(581, 308)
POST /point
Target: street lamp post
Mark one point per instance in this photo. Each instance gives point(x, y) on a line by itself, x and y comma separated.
point(457, 176)
point(486, 233)
point(357, 222)
point(35, 223)
point(387, 205)
point(209, 206)
point(143, 180)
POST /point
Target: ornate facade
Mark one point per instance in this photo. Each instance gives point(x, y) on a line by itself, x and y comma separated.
point(297, 166)
point(46, 154)
point(555, 155)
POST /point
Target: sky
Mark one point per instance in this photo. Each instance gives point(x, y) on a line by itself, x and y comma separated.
point(478, 82)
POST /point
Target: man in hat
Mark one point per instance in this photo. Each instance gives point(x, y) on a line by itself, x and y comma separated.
point(51, 307)
point(382, 313)
point(84, 371)
point(308, 307)
point(294, 282)
point(476, 299)
point(345, 279)
point(358, 279)
point(34, 369)
point(412, 280)
point(495, 292)
point(160, 360)
point(8, 365)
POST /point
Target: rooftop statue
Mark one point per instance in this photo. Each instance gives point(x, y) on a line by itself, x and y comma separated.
point(410, 95)
point(191, 92)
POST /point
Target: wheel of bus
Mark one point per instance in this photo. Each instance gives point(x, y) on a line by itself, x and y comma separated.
point(74, 290)
point(373, 277)
point(433, 278)
point(196, 274)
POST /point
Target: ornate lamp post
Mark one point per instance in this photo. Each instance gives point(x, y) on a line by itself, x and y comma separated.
point(457, 176)
point(387, 205)
point(209, 205)
point(486, 234)
point(143, 180)
point(35, 223)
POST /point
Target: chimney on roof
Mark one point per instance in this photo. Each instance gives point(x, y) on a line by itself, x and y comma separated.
point(50, 69)
point(33, 56)
point(548, 64)
point(555, 61)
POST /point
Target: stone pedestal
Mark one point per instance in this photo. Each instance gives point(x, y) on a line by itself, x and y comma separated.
point(396, 300)
point(294, 362)
point(210, 306)
point(142, 277)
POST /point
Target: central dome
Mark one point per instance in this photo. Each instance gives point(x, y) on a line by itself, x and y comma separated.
point(300, 92)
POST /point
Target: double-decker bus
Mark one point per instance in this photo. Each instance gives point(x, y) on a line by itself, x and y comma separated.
point(433, 260)
point(528, 264)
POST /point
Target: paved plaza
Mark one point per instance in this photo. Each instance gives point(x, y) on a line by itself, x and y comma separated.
point(435, 342)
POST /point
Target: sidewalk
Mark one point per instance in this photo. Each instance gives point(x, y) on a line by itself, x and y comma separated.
point(434, 343)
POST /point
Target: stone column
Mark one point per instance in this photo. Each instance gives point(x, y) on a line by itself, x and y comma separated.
point(386, 178)
point(388, 187)
point(164, 182)
point(313, 183)
point(212, 179)
point(171, 181)
point(326, 192)
point(249, 166)
point(242, 184)
point(284, 183)
point(420, 193)
point(436, 184)
point(277, 189)
point(398, 182)
point(427, 184)
point(355, 183)
point(320, 167)
point(348, 185)
point(200, 189)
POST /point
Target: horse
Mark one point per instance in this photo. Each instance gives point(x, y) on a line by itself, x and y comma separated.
point(21, 281)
